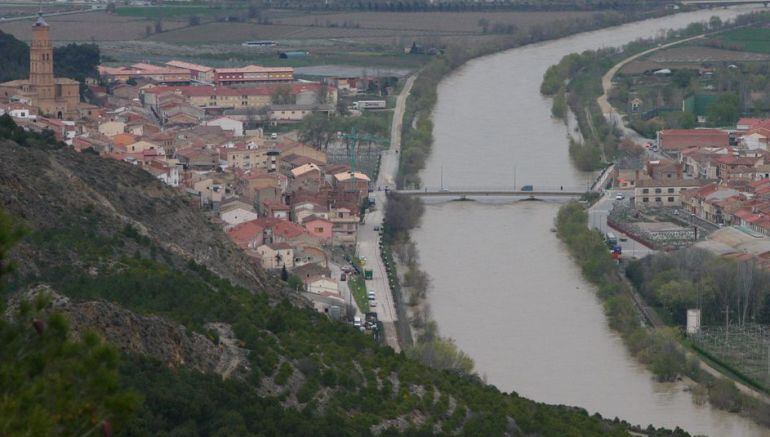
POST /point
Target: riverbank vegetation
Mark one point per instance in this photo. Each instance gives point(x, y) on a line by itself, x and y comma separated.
point(578, 77)
point(423, 341)
point(659, 347)
point(418, 129)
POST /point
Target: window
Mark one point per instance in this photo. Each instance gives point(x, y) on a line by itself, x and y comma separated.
point(658, 191)
point(670, 190)
point(670, 199)
point(645, 199)
point(657, 199)
point(646, 190)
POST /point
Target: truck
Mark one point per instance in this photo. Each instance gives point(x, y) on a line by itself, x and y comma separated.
point(611, 239)
point(368, 274)
point(370, 104)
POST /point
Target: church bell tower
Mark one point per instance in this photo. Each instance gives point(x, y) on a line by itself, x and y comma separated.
point(41, 76)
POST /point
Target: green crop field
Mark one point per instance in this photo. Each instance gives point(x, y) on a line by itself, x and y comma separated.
point(754, 39)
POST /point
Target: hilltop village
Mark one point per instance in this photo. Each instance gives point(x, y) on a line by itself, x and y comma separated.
point(227, 137)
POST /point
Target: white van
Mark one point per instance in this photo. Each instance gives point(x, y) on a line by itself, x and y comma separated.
point(273, 136)
point(357, 322)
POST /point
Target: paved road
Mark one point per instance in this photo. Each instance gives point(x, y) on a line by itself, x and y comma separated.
point(336, 272)
point(597, 219)
point(368, 239)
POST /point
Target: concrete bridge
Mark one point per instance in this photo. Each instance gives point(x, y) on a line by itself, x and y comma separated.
point(723, 2)
point(465, 193)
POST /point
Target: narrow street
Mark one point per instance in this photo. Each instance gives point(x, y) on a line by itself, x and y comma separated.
point(597, 219)
point(368, 239)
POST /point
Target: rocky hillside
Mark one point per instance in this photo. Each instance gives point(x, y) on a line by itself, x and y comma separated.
point(84, 211)
point(212, 344)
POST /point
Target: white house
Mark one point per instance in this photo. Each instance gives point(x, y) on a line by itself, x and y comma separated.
point(321, 285)
point(227, 123)
point(18, 110)
point(755, 141)
point(235, 213)
point(112, 128)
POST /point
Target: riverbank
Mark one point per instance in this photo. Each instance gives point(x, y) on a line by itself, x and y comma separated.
point(582, 82)
point(658, 346)
point(415, 326)
point(550, 342)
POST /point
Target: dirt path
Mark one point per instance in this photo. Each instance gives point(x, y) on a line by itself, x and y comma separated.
point(232, 355)
point(603, 101)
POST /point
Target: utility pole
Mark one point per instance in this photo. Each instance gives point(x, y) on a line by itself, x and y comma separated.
point(727, 322)
point(442, 177)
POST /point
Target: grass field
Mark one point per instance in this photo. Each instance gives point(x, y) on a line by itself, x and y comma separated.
point(358, 289)
point(755, 39)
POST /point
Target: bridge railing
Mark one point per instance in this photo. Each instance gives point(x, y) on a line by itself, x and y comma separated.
point(501, 188)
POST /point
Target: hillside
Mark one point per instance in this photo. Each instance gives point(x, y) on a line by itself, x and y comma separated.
point(135, 262)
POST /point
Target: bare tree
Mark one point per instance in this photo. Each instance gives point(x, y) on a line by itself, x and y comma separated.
point(744, 277)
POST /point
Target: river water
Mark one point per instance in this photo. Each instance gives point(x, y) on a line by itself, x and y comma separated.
point(504, 286)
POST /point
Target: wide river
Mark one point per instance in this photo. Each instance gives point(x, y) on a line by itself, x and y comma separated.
point(504, 287)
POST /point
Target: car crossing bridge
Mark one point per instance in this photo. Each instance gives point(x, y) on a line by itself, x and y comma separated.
point(468, 192)
point(723, 2)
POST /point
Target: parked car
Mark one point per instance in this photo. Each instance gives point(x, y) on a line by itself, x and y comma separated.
point(343, 277)
point(527, 188)
point(356, 321)
point(273, 136)
point(620, 196)
point(371, 295)
point(376, 229)
point(373, 304)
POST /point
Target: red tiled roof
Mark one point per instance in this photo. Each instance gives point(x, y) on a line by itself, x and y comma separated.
point(680, 139)
point(244, 232)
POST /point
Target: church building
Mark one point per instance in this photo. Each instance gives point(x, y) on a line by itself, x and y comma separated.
point(54, 97)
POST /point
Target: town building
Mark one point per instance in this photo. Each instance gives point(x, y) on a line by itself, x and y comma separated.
point(674, 141)
point(252, 74)
point(52, 96)
point(663, 192)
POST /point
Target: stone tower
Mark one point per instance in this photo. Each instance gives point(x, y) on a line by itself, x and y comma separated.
point(41, 66)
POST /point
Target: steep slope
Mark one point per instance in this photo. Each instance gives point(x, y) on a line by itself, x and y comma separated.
point(85, 212)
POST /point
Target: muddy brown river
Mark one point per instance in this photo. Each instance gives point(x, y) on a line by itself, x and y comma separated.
point(504, 286)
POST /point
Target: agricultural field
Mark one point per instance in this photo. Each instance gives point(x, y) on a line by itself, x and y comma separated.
point(754, 39)
point(690, 56)
point(154, 12)
point(91, 26)
point(239, 32)
point(745, 349)
point(454, 22)
point(11, 10)
point(375, 39)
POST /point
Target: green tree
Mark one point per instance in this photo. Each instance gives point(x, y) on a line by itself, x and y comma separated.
point(725, 110)
point(50, 384)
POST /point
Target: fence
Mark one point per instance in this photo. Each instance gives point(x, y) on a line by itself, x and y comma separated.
point(744, 348)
